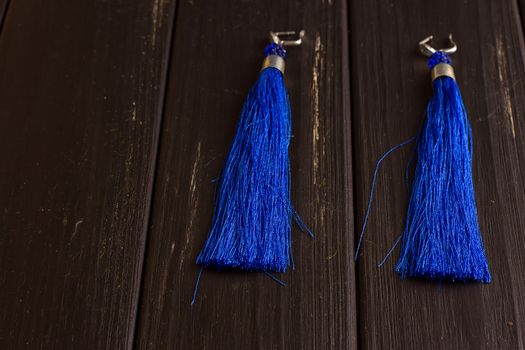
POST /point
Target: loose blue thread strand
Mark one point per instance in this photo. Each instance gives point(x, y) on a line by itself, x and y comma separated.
point(275, 279)
point(407, 187)
point(196, 289)
point(390, 251)
point(372, 189)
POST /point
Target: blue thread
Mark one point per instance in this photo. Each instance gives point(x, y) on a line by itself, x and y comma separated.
point(390, 251)
point(300, 223)
point(275, 279)
point(371, 195)
point(196, 289)
point(407, 188)
point(274, 49)
point(441, 239)
point(251, 224)
point(437, 58)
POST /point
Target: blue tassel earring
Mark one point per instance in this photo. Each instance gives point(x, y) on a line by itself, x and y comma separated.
point(252, 218)
point(442, 239)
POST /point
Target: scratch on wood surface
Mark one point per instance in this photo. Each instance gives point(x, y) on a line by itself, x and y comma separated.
point(156, 18)
point(193, 181)
point(193, 200)
point(128, 170)
point(330, 257)
point(316, 72)
point(505, 90)
point(75, 231)
point(134, 112)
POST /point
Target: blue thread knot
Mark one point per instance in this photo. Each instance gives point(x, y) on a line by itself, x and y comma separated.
point(274, 49)
point(437, 58)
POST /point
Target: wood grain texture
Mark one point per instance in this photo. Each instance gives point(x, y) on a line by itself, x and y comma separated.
point(216, 57)
point(80, 107)
point(391, 85)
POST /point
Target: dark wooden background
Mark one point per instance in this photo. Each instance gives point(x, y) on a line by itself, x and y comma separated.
point(115, 117)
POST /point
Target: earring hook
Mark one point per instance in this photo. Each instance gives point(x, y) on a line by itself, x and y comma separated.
point(428, 50)
point(275, 37)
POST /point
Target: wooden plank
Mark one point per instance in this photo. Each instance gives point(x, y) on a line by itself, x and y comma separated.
point(3, 10)
point(80, 107)
point(390, 89)
point(216, 57)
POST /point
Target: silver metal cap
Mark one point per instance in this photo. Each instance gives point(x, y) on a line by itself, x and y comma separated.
point(442, 70)
point(274, 61)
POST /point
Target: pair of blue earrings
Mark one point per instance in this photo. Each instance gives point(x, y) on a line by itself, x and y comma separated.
point(252, 219)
